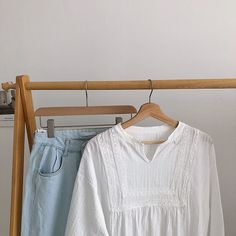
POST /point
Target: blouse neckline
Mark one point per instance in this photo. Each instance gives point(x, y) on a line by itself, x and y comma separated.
point(174, 137)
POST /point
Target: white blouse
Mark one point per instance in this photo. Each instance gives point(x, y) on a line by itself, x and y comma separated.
point(127, 188)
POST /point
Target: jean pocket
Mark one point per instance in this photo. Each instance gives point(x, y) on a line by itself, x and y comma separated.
point(51, 162)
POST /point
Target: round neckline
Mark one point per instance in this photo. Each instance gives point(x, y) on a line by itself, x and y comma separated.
point(173, 137)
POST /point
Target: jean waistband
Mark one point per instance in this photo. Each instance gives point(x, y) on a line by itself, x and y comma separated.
point(73, 140)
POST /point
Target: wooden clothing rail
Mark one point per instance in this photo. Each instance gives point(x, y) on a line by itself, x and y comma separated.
point(25, 116)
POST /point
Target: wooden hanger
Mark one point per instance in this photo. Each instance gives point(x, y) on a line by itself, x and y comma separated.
point(150, 110)
point(83, 110)
point(69, 111)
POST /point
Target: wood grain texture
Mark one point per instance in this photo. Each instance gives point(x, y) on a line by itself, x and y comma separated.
point(90, 110)
point(28, 108)
point(135, 84)
point(17, 166)
point(150, 110)
point(221, 83)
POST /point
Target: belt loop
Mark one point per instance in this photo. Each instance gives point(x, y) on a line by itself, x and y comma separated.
point(67, 143)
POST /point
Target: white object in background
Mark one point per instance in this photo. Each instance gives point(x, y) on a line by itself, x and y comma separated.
point(7, 120)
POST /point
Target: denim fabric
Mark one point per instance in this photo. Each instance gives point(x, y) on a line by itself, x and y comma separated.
point(50, 177)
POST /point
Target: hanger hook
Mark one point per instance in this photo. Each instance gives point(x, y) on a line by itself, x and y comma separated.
point(150, 95)
point(86, 92)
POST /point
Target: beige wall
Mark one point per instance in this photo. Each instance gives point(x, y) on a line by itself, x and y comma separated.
point(119, 40)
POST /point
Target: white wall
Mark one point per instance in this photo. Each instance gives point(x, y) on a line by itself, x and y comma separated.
point(126, 40)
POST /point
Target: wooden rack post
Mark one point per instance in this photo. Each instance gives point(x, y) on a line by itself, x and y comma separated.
point(17, 165)
point(24, 114)
point(28, 108)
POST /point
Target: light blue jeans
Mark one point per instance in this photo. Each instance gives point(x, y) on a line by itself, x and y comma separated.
point(50, 177)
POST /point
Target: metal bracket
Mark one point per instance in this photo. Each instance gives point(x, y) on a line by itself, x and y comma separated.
point(51, 128)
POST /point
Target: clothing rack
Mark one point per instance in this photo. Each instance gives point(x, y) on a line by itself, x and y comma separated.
point(25, 116)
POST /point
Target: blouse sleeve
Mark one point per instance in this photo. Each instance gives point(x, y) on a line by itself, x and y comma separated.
point(205, 209)
point(86, 216)
point(216, 221)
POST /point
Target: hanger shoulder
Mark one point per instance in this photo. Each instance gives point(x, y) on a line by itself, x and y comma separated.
point(150, 110)
point(154, 142)
point(86, 110)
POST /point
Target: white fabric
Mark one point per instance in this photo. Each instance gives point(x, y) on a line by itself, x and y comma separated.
point(127, 188)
